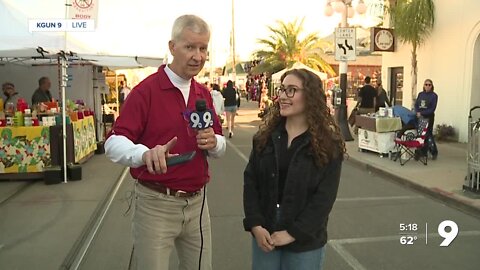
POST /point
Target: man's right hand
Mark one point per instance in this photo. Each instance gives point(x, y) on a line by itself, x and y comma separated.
point(264, 241)
point(155, 158)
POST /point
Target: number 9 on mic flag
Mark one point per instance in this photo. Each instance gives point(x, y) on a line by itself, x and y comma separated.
point(201, 119)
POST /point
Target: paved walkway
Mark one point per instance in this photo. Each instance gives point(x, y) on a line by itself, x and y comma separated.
point(442, 178)
point(57, 214)
point(40, 225)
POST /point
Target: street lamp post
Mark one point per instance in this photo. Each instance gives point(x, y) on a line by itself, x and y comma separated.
point(234, 64)
point(344, 7)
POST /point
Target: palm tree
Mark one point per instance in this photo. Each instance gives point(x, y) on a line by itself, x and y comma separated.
point(413, 21)
point(284, 48)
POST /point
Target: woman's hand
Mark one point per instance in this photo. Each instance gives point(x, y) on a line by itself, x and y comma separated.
point(282, 238)
point(264, 241)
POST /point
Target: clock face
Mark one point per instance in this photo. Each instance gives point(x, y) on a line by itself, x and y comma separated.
point(384, 40)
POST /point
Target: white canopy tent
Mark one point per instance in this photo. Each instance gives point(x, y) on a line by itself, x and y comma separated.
point(120, 62)
point(276, 76)
point(86, 81)
point(24, 67)
point(23, 63)
point(111, 37)
point(24, 53)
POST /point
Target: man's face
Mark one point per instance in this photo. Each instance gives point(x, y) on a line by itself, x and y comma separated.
point(46, 85)
point(7, 90)
point(189, 53)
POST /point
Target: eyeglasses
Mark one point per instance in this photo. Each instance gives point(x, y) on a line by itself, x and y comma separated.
point(428, 84)
point(289, 91)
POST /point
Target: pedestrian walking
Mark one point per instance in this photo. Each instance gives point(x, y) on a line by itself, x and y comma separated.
point(230, 95)
point(218, 102)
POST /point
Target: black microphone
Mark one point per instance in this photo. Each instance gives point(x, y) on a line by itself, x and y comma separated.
point(201, 105)
point(201, 118)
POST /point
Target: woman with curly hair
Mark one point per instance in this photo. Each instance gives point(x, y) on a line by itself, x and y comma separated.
point(292, 177)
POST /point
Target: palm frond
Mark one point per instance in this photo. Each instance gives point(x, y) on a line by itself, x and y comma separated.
point(413, 22)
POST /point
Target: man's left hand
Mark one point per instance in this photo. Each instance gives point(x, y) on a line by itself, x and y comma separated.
point(282, 238)
point(206, 139)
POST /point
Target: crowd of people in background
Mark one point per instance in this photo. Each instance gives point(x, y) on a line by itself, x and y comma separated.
point(229, 98)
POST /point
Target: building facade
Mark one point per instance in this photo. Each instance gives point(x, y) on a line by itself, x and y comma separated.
point(450, 58)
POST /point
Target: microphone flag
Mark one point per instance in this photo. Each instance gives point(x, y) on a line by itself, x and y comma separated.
point(201, 118)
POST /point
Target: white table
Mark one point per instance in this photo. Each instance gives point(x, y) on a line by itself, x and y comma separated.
point(377, 134)
point(379, 142)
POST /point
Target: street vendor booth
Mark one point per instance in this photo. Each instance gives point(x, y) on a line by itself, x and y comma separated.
point(377, 133)
point(31, 136)
point(26, 150)
point(27, 146)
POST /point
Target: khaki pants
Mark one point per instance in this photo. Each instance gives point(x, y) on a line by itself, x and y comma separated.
point(161, 222)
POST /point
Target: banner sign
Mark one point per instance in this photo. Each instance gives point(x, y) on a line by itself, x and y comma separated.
point(83, 9)
point(60, 25)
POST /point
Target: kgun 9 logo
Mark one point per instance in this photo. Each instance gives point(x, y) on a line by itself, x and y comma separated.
point(201, 119)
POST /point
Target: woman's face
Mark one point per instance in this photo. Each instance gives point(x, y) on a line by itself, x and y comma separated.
point(427, 85)
point(291, 97)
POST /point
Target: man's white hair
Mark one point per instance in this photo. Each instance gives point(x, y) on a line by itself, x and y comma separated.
point(192, 22)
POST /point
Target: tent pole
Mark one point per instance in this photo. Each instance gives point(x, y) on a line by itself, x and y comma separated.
point(118, 93)
point(63, 86)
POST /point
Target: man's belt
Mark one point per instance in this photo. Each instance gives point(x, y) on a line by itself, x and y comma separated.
point(158, 187)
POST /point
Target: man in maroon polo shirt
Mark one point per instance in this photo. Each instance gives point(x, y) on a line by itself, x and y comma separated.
point(153, 127)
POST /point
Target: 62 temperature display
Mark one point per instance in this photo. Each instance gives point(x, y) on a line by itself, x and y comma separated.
point(409, 232)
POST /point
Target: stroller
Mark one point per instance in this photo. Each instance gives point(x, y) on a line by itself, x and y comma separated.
point(472, 180)
point(408, 145)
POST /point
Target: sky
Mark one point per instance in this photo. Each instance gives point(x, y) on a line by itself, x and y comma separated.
point(143, 27)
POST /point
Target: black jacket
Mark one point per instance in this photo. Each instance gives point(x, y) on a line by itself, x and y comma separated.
point(230, 96)
point(382, 100)
point(308, 195)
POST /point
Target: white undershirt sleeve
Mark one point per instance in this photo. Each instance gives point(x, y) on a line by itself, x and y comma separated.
point(120, 149)
point(220, 148)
